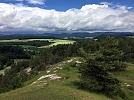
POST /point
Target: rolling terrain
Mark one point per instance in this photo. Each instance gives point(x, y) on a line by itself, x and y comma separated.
point(61, 82)
point(58, 82)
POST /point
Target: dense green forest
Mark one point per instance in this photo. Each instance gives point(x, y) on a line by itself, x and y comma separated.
point(101, 58)
point(8, 53)
point(36, 43)
point(22, 37)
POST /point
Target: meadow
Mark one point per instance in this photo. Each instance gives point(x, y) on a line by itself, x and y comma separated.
point(53, 42)
point(57, 42)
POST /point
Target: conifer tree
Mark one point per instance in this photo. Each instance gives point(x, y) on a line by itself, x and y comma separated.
point(94, 71)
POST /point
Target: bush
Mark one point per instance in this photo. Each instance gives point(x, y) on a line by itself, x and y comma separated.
point(67, 67)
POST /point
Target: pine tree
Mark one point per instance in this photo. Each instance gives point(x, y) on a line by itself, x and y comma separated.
point(94, 72)
point(111, 56)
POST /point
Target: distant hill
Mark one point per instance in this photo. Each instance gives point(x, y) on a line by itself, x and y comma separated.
point(114, 34)
point(74, 35)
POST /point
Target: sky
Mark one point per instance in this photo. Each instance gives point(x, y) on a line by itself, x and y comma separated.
point(58, 16)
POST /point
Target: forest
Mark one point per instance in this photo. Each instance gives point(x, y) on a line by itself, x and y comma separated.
point(36, 43)
point(101, 57)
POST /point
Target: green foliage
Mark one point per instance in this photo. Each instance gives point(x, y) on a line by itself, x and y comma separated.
point(8, 53)
point(18, 66)
point(36, 43)
point(101, 56)
point(23, 76)
point(94, 72)
point(14, 77)
point(36, 63)
point(108, 57)
point(13, 52)
point(127, 46)
point(9, 82)
point(112, 56)
point(1, 66)
point(96, 79)
point(67, 68)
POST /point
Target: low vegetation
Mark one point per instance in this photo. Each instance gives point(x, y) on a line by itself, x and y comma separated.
point(87, 69)
point(64, 88)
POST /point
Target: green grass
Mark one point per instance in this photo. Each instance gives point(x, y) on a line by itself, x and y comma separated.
point(127, 77)
point(58, 41)
point(2, 71)
point(51, 91)
point(65, 89)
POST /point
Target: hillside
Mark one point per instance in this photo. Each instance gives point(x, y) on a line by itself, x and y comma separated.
point(59, 82)
point(58, 72)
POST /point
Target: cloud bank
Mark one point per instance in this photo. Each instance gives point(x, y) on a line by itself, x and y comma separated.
point(92, 17)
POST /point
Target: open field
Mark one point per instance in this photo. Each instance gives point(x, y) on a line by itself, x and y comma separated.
point(53, 42)
point(58, 41)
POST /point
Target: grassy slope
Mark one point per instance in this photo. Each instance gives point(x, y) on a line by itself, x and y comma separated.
point(127, 78)
point(51, 91)
point(67, 87)
point(64, 89)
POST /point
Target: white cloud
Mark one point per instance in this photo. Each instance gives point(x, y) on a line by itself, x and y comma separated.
point(93, 17)
point(40, 2)
point(106, 3)
point(129, 7)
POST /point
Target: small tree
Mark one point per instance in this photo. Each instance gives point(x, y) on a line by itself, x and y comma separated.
point(94, 72)
point(111, 56)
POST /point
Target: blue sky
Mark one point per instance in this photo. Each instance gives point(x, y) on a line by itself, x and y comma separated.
point(63, 5)
point(66, 16)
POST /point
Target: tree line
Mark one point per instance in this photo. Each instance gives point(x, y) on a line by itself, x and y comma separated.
point(36, 43)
